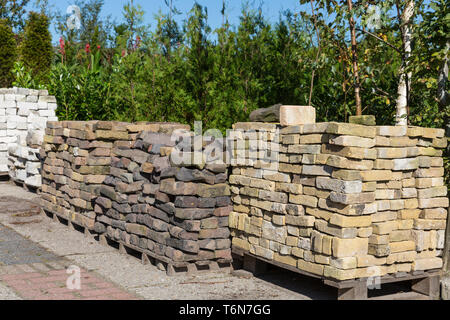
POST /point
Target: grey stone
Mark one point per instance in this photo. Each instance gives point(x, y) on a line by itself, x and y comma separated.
point(271, 114)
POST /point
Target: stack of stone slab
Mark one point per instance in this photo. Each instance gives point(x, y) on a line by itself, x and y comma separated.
point(23, 111)
point(76, 161)
point(142, 186)
point(173, 208)
point(24, 162)
point(346, 201)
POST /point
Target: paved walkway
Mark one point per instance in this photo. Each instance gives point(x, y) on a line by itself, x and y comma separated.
point(29, 271)
point(36, 253)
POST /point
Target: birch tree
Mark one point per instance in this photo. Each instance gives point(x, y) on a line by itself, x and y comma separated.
point(404, 86)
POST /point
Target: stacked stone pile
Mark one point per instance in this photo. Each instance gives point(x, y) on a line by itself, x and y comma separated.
point(76, 161)
point(23, 111)
point(176, 208)
point(346, 201)
point(24, 162)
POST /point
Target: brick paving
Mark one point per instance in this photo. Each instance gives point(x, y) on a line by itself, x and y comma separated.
point(34, 273)
point(52, 284)
point(124, 271)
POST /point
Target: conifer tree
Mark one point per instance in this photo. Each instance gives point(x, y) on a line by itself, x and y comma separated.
point(8, 54)
point(36, 50)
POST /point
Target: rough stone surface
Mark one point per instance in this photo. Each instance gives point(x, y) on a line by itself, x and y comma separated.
point(23, 120)
point(370, 197)
point(297, 115)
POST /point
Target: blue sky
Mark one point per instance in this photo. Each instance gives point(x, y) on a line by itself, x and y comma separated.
point(151, 7)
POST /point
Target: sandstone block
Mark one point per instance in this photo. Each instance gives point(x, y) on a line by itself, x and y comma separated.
point(427, 264)
point(402, 246)
point(350, 247)
point(310, 267)
point(305, 200)
point(406, 164)
point(352, 141)
point(339, 186)
point(297, 115)
point(367, 120)
point(350, 222)
point(351, 130)
point(433, 203)
point(353, 198)
point(432, 192)
point(391, 131)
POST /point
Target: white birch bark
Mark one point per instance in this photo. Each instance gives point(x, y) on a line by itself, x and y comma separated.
point(405, 84)
point(442, 94)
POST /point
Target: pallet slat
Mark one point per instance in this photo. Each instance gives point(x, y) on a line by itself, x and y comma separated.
point(425, 285)
point(172, 268)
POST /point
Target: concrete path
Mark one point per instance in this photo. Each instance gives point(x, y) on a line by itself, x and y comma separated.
point(35, 253)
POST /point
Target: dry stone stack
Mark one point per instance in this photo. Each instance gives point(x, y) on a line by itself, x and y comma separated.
point(177, 211)
point(121, 181)
point(23, 117)
point(76, 161)
point(24, 160)
point(346, 201)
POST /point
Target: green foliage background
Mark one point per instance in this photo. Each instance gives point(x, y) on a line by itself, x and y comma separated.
point(186, 71)
point(8, 54)
point(36, 50)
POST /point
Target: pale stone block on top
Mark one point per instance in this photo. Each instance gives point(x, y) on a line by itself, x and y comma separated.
point(297, 115)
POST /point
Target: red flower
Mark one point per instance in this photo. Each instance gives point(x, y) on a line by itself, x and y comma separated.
point(62, 45)
point(99, 47)
point(123, 53)
point(88, 48)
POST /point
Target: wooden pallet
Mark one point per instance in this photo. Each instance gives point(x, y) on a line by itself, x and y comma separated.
point(73, 225)
point(424, 285)
point(172, 268)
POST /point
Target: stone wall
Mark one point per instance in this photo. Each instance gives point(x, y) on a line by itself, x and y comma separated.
point(120, 181)
point(23, 117)
point(179, 212)
point(345, 201)
point(341, 201)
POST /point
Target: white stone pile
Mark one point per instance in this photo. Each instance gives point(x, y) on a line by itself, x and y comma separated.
point(23, 118)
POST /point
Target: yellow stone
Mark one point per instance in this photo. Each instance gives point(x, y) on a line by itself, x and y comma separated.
point(369, 260)
point(348, 222)
point(289, 260)
point(402, 246)
point(344, 263)
point(427, 264)
point(240, 243)
point(297, 252)
point(310, 267)
point(350, 247)
point(377, 175)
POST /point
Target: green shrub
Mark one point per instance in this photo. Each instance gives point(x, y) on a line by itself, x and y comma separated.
point(23, 78)
point(8, 54)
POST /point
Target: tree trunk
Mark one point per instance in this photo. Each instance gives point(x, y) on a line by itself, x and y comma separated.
point(355, 60)
point(404, 85)
point(446, 253)
point(444, 101)
point(442, 94)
